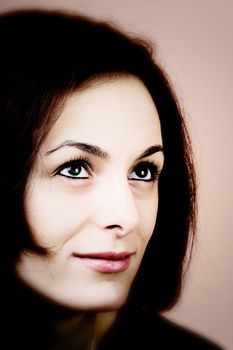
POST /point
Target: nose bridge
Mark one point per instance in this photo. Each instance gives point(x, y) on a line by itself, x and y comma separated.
point(118, 205)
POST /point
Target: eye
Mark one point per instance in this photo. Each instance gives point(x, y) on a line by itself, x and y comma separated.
point(145, 171)
point(75, 169)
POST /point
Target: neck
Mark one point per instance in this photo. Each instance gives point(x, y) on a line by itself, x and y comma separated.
point(104, 321)
point(85, 330)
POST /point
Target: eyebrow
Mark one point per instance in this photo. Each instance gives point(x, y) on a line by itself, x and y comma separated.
point(97, 151)
point(151, 150)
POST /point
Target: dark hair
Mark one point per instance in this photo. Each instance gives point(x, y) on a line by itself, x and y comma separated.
point(45, 56)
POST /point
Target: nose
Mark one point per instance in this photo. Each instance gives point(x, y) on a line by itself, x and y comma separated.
point(116, 209)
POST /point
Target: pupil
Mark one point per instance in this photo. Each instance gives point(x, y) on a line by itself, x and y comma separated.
point(142, 172)
point(74, 170)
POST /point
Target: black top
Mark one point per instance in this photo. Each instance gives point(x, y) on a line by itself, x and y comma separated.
point(140, 329)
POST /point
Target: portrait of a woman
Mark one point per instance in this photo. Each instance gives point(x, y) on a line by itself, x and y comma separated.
point(98, 186)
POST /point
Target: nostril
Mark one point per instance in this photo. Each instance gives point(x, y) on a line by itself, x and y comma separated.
point(110, 227)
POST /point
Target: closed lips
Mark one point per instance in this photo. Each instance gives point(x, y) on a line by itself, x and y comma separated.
point(106, 262)
point(104, 255)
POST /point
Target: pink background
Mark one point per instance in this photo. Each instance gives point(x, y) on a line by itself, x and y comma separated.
point(195, 45)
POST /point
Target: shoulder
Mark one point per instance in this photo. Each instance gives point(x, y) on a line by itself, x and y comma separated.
point(137, 328)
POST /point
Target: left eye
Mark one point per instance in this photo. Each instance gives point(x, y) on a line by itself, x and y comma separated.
point(74, 170)
point(144, 172)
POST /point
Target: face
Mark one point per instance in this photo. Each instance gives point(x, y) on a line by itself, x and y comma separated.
point(92, 196)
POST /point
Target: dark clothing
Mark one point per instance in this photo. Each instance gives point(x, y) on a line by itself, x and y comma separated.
point(139, 329)
point(29, 324)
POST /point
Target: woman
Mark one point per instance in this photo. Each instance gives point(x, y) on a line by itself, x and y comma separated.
point(100, 200)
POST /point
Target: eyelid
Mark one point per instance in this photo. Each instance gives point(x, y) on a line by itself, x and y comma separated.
point(82, 161)
point(155, 169)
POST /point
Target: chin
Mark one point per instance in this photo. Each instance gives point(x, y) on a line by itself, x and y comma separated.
point(110, 304)
point(104, 296)
point(97, 300)
point(110, 299)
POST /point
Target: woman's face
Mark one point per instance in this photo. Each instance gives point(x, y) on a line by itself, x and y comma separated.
point(92, 196)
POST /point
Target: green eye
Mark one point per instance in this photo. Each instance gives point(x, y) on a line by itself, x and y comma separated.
point(145, 171)
point(75, 169)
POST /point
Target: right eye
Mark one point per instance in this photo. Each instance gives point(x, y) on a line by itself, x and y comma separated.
point(75, 169)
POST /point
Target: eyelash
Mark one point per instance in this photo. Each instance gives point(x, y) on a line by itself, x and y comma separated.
point(80, 162)
point(83, 162)
point(154, 169)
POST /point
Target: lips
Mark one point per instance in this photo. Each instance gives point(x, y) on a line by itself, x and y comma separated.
point(106, 262)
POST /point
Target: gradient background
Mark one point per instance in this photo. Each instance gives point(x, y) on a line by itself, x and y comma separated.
point(195, 45)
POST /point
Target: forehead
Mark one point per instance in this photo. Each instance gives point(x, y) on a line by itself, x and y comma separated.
point(118, 110)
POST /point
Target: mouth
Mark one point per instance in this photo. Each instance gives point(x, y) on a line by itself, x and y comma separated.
point(106, 262)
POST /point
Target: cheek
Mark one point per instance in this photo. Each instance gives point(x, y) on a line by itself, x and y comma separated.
point(149, 213)
point(53, 216)
point(149, 210)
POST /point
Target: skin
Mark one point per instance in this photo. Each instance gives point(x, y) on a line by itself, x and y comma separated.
point(108, 207)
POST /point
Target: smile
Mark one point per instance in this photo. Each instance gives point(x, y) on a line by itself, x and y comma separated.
point(106, 262)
